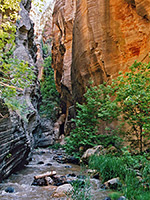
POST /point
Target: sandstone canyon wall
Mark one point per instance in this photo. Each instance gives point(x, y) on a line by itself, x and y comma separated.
point(95, 39)
point(16, 134)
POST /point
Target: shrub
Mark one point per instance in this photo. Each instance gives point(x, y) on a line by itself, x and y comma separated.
point(99, 108)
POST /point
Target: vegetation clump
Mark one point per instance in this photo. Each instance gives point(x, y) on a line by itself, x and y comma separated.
point(133, 172)
point(126, 101)
point(50, 96)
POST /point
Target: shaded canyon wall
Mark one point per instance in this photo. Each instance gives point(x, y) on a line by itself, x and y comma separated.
point(95, 39)
point(16, 133)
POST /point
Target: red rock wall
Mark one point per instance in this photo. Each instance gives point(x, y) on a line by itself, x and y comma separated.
point(95, 39)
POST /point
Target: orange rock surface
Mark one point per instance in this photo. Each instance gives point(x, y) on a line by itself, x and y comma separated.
point(95, 39)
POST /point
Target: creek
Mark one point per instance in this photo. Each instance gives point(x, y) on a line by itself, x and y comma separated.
point(42, 162)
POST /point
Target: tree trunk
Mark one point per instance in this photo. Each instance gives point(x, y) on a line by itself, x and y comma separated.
point(141, 141)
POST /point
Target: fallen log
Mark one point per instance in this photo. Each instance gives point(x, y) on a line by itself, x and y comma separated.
point(52, 173)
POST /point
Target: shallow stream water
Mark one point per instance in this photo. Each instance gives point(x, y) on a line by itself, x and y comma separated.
point(21, 181)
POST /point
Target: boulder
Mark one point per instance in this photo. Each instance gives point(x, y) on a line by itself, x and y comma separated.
point(92, 151)
point(62, 190)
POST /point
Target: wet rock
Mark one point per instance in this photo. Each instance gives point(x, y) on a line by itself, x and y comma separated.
point(68, 166)
point(62, 190)
point(48, 164)
point(73, 160)
point(93, 173)
point(96, 176)
point(107, 198)
point(9, 189)
point(60, 158)
point(71, 175)
point(40, 163)
point(40, 182)
point(112, 184)
point(59, 180)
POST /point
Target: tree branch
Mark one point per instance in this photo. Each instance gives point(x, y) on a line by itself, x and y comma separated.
point(10, 86)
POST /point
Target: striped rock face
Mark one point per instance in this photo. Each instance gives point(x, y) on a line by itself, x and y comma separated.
point(95, 39)
point(16, 134)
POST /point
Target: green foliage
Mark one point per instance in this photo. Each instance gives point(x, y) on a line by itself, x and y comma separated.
point(133, 97)
point(126, 168)
point(127, 99)
point(15, 75)
point(46, 48)
point(81, 190)
point(8, 155)
point(98, 109)
point(108, 166)
point(50, 96)
point(9, 14)
point(115, 195)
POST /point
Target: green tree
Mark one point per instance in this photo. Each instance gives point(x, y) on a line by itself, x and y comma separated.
point(15, 75)
point(133, 98)
point(127, 99)
point(97, 109)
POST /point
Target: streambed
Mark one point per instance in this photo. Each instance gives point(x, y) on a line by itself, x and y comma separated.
point(42, 162)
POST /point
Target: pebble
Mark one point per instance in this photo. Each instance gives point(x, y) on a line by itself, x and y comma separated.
point(68, 166)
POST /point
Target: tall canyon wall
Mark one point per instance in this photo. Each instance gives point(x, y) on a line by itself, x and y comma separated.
point(16, 133)
point(95, 39)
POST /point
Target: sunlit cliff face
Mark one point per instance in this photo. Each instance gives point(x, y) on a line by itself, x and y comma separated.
point(40, 13)
point(95, 39)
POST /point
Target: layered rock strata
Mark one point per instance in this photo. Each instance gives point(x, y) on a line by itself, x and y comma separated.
point(95, 39)
point(16, 131)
